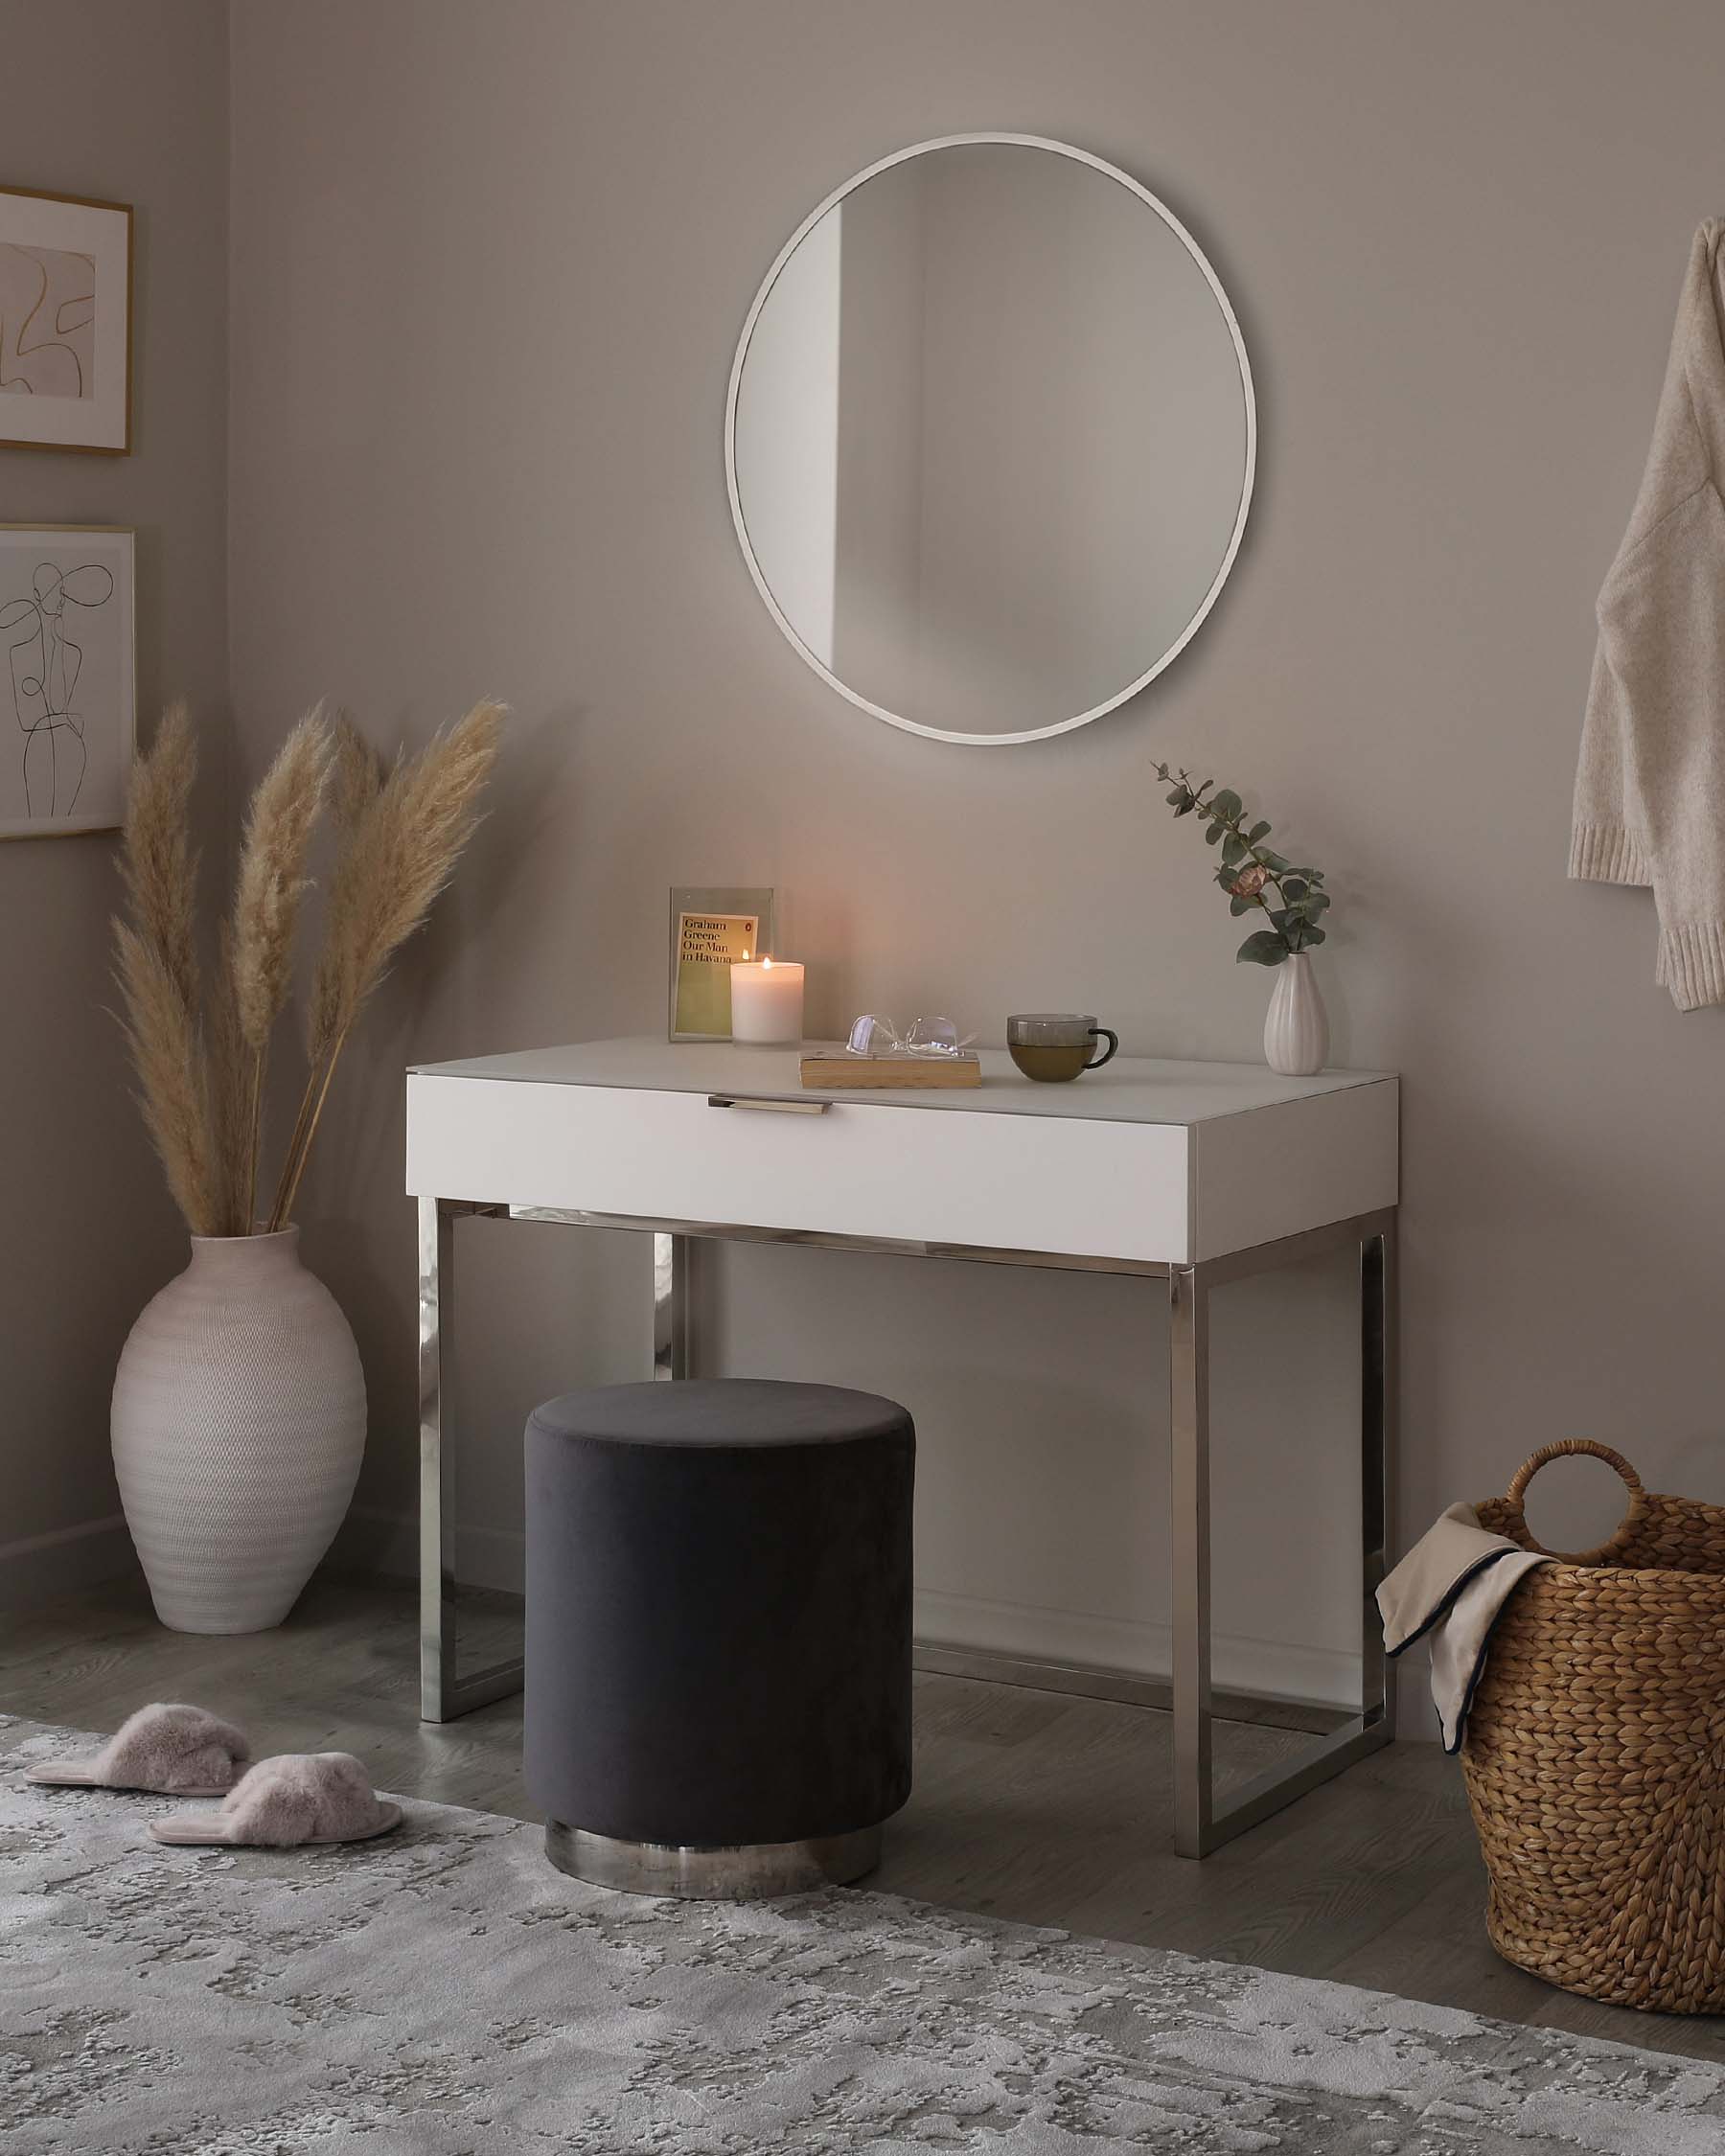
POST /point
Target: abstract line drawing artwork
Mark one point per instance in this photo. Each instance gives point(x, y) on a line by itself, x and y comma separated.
point(66, 673)
point(47, 322)
point(66, 322)
point(45, 666)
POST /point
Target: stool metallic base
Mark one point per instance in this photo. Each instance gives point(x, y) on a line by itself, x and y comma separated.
point(745, 1871)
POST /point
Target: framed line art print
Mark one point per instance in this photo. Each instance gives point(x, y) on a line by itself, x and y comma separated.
point(65, 322)
point(67, 677)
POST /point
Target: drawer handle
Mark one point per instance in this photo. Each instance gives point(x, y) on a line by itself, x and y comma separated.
point(772, 1107)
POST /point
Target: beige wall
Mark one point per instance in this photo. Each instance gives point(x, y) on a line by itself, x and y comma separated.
point(488, 268)
point(127, 103)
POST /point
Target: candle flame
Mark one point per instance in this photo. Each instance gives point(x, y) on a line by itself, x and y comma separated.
point(768, 963)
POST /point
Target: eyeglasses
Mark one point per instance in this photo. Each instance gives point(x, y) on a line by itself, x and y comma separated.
point(872, 1036)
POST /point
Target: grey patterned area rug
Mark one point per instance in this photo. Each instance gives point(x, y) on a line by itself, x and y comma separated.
point(445, 1991)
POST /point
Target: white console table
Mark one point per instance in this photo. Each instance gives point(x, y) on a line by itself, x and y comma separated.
point(1190, 1173)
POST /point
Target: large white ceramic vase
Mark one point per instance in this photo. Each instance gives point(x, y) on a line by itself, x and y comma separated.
point(239, 1423)
point(1297, 1024)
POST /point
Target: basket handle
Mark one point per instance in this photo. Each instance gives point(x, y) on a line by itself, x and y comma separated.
point(1565, 1447)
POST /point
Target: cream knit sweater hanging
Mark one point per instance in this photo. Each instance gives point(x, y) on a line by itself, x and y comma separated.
point(1650, 790)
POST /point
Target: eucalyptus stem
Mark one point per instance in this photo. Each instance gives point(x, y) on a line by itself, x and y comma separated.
point(1295, 922)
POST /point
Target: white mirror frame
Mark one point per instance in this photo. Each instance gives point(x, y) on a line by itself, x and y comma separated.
point(1191, 629)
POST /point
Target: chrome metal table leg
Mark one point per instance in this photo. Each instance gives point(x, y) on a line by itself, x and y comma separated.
point(437, 1507)
point(1188, 1387)
point(673, 1260)
point(1378, 1458)
point(444, 1693)
point(1199, 1826)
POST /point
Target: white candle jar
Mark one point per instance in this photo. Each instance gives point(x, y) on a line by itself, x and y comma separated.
point(767, 1002)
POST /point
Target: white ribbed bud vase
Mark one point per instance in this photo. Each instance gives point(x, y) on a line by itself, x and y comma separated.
point(239, 1423)
point(1295, 1026)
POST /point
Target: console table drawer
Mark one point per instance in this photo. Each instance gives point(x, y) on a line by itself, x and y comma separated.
point(1074, 1187)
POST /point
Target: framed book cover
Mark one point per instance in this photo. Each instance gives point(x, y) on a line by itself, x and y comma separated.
point(710, 931)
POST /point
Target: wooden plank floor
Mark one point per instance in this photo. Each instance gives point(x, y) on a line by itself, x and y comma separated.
point(1036, 1806)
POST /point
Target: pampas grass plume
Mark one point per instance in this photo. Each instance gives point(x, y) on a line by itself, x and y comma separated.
point(271, 878)
point(156, 953)
point(400, 831)
point(406, 830)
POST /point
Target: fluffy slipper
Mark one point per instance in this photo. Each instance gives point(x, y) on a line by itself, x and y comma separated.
point(296, 1800)
point(175, 1750)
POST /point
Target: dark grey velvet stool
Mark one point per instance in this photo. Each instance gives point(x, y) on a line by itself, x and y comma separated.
point(718, 1633)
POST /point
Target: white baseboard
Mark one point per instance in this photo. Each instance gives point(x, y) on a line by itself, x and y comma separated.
point(1269, 1669)
point(39, 1567)
point(373, 1540)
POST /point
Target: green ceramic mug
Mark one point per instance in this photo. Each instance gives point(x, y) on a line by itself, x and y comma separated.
point(1054, 1046)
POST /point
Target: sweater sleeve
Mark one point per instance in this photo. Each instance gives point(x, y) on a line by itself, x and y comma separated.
point(1603, 848)
point(1662, 645)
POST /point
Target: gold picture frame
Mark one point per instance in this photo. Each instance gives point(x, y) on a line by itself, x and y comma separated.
point(66, 322)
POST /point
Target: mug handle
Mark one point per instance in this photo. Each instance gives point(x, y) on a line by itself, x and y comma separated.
point(1114, 1042)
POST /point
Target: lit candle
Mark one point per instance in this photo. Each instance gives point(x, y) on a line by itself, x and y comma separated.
point(767, 996)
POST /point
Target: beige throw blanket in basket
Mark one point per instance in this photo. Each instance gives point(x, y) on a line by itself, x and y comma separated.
point(1450, 1589)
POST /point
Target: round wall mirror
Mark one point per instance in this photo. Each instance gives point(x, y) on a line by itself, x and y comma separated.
point(990, 438)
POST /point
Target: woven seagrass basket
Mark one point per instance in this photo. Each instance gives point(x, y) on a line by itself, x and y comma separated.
point(1595, 1755)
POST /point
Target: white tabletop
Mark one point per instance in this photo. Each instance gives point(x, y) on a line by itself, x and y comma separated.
point(1129, 1089)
